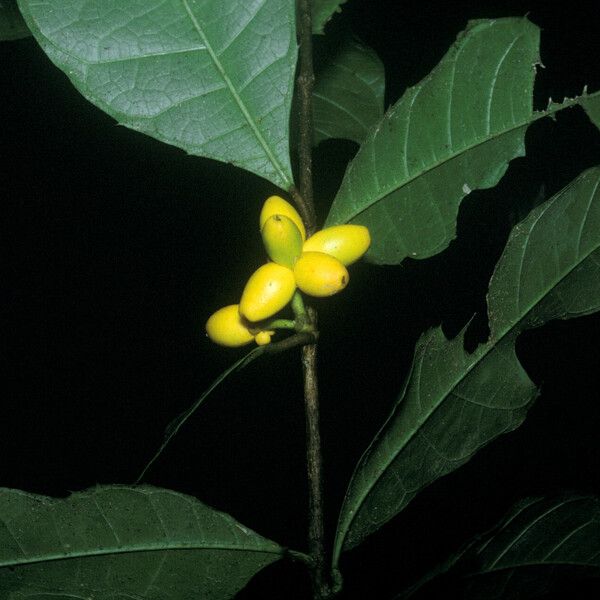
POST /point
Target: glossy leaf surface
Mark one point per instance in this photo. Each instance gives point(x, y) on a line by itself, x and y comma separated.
point(454, 403)
point(124, 542)
point(452, 133)
point(214, 77)
point(348, 94)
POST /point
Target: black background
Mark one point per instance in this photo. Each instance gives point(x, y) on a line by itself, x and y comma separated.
point(117, 248)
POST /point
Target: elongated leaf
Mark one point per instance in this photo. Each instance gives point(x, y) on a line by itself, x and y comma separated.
point(214, 77)
point(453, 402)
point(124, 542)
point(453, 132)
point(322, 11)
point(539, 542)
point(12, 25)
point(174, 426)
point(348, 94)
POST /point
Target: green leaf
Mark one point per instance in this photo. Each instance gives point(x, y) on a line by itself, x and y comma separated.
point(214, 77)
point(452, 133)
point(124, 542)
point(538, 543)
point(453, 402)
point(542, 540)
point(12, 25)
point(348, 93)
point(591, 105)
point(322, 12)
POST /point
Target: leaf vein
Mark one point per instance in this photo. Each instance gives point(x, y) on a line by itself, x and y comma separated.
point(494, 81)
point(512, 542)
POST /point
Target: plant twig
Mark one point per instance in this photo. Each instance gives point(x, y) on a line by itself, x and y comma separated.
point(298, 339)
point(314, 464)
point(305, 84)
point(306, 210)
point(304, 201)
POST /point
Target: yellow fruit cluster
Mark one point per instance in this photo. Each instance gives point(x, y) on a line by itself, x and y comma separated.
point(316, 266)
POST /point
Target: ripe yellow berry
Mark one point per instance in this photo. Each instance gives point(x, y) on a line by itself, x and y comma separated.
point(319, 274)
point(227, 328)
point(347, 243)
point(282, 240)
point(268, 290)
point(262, 338)
point(275, 205)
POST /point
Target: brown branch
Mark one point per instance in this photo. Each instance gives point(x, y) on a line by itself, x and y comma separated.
point(314, 464)
point(305, 202)
point(305, 209)
point(305, 84)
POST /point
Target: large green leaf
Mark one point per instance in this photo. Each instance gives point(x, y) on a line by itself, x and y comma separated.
point(453, 402)
point(322, 11)
point(452, 133)
point(124, 542)
point(214, 77)
point(348, 93)
point(12, 25)
point(539, 542)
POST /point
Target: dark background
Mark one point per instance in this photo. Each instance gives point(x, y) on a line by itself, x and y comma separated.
point(117, 248)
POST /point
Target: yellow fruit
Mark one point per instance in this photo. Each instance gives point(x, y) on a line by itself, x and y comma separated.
point(282, 240)
point(275, 205)
point(227, 328)
point(347, 243)
point(268, 290)
point(262, 338)
point(319, 274)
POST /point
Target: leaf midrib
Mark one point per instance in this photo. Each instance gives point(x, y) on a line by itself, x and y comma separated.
point(115, 550)
point(491, 344)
